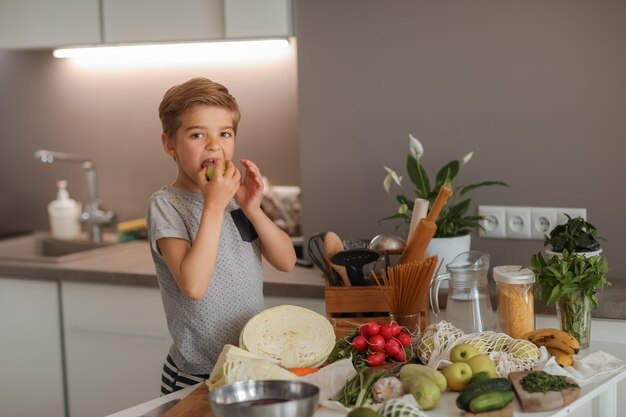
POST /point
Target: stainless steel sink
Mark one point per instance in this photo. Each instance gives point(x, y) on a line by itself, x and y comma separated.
point(41, 247)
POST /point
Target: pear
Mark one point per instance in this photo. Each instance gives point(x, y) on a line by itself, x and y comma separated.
point(425, 391)
point(411, 370)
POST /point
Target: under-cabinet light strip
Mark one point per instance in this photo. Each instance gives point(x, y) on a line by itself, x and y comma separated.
point(184, 52)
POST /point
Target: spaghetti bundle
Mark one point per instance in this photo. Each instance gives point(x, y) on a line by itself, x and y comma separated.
point(405, 286)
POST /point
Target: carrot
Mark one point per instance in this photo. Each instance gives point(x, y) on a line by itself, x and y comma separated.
point(303, 371)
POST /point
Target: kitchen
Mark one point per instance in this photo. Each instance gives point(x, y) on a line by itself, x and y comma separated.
point(536, 90)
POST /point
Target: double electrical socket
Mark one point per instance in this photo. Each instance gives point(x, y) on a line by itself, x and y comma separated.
point(510, 222)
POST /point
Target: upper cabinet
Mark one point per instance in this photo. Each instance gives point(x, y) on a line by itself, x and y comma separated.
point(162, 20)
point(45, 23)
point(257, 18)
point(49, 24)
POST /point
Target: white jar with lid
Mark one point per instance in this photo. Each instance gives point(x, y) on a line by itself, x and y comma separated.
point(515, 299)
point(64, 213)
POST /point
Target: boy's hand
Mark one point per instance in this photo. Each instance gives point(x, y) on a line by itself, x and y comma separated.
point(223, 185)
point(250, 193)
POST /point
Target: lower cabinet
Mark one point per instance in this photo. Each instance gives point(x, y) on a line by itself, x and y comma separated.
point(116, 341)
point(30, 349)
point(316, 304)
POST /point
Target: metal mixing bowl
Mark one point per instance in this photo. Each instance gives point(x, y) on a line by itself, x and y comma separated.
point(265, 399)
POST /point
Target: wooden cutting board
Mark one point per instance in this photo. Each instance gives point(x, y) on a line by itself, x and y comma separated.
point(541, 401)
point(195, 404)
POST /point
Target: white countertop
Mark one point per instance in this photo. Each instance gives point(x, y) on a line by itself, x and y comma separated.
point(447, 406)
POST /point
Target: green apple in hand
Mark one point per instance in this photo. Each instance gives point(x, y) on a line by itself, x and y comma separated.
point(482, 363)
point(458, 375)
point(462, 352)
point(210, 171)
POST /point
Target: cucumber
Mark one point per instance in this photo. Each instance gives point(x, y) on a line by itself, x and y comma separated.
point(490, 401)
point(481, 387)
point(479, 377)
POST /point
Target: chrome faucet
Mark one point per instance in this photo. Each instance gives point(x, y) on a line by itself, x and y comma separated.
point(92, 213)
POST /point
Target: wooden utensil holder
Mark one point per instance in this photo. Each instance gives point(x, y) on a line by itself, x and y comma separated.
point(350, 307)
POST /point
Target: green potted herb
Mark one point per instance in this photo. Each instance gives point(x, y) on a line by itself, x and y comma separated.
point(571, 282)
point(576, 235)
point(454, 220)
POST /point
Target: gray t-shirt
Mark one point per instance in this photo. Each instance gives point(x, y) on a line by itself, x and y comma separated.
point(200, 329)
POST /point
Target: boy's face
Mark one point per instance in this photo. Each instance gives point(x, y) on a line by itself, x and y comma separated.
point(205, 135)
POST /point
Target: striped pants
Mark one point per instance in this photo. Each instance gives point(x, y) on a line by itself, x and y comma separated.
point(173, 379)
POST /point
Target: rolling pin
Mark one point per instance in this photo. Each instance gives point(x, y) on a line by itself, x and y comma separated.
point(420, 209)
point(425, 229)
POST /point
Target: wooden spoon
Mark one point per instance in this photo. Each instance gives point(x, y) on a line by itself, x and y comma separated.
point(332, 246)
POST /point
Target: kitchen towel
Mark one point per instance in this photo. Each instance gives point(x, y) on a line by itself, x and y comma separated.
point(585, 369)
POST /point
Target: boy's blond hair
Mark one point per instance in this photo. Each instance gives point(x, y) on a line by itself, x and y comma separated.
point(197, 91)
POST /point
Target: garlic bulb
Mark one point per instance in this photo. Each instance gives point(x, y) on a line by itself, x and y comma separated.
point(387, 388)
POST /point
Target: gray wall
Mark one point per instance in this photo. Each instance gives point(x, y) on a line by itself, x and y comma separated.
point(111, 116)
point(536, 88)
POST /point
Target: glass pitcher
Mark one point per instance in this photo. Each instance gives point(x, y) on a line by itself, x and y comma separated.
point(468, 306)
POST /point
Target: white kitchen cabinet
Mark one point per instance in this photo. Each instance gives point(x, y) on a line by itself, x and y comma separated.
point(116, 342)
point(162, 20)
point(30, 349)
point(316, 304)
point(48, 24)
point(258, 18)
point(45, 24)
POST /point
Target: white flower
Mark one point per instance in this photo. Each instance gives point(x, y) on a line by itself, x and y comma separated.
point(466, 158)
point(416, 150)
point(403, 208)
point(391, 175)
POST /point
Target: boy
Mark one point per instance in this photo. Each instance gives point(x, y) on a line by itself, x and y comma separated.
point(207, 237)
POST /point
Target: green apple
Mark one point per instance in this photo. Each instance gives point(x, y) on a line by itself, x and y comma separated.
point(211, 170)
point(482, 363)
point(458, 375)
point(462, 352)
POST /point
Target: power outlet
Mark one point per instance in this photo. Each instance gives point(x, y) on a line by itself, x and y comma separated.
point(511, 222)
point(494, 222)
point(518, 222)
point(561, 217)
point(542, 221)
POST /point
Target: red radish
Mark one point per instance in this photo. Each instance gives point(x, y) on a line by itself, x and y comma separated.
point(376, 342)
point(401, 356)
point(370, 329)
point(395, 328)
point(359, 342)
point(386, 331)
point(375, 359)
point(393, 347)
point(404, 338)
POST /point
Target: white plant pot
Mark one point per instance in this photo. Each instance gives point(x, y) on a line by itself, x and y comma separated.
point(589, 254)
point(448, 248)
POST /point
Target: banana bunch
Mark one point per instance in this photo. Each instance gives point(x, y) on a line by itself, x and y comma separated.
point(562, 345)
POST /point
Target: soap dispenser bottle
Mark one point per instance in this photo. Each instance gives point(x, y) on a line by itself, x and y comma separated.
point(64, 213)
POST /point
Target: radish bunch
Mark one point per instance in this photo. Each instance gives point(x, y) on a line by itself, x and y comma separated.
point(383, 342)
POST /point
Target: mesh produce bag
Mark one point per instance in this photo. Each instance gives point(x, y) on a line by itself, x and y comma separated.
point(508, 354)
point(405, 406)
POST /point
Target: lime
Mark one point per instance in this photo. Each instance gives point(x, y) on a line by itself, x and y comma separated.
point(362, 412)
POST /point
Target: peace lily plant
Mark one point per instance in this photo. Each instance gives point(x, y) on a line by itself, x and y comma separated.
point(453, 220)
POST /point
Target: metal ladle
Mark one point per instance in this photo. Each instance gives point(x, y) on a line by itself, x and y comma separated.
point(386, 244)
